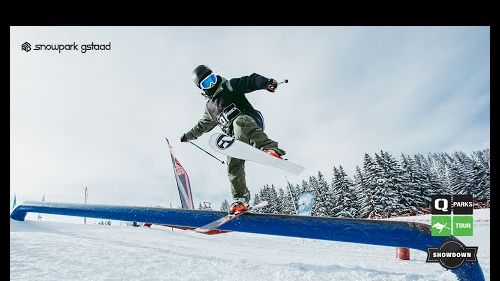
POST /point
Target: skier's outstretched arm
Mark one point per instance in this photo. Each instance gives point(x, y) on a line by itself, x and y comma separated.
point(247, 84)
point(205, 124)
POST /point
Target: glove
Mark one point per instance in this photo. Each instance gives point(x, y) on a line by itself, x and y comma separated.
point(184, 138)
point(271, 85)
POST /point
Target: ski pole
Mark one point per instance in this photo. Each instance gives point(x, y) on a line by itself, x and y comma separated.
point(285, 81)
point(222, 162)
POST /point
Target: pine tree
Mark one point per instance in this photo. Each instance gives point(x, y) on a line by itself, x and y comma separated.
point(224, 206)
point(264, 196)
point(461, 172)
point(343, 194)
point(380, 177)
point(275, 207)
point(256, 199)
point(442, 162)
point(294, 192)
point(481, 171)
point(285, 202)
point(371, 173)
point(364, 198)
point(274, 202)
point(395, 182)
point(206, 206)
point(324, 200)
point(269, 194)
point(433, 185)
point(415, 182)
point(306, 187)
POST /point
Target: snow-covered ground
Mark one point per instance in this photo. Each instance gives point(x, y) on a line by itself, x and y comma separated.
point(65, 251)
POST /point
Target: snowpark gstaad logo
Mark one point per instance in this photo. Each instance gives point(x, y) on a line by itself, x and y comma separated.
point(452, 254)
point(26, 47)
point(72, 47)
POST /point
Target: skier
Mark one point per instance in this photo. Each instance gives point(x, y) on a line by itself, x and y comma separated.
point(228, 107)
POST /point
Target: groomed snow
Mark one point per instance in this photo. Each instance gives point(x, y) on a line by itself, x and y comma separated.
point(42, 250)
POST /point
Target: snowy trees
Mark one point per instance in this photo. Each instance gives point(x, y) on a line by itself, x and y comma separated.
point(224, 206)
point(427, 182)
point(481, 174)
point(365, 203)
point(374, 184)
point(286, 202)
point(384, 186)
point(461, 173)
point(324, 197)
point(397, 196)
point(269, 194)
point(205, 206)
point(343, 195)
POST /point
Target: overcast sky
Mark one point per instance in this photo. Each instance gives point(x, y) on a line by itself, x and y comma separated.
point(99, 118)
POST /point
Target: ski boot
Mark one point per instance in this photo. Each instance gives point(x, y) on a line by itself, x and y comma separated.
point(238, 206)
point(273, 153)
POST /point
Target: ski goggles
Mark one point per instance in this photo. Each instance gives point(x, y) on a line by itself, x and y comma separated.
point(208, 82)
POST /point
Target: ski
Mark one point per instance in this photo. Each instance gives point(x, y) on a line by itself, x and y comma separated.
point(211, 228)
point(232, 147)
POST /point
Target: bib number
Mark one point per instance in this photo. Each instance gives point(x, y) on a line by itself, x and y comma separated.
point(228, 114)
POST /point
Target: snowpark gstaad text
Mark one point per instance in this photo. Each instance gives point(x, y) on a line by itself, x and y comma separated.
point(83, 48)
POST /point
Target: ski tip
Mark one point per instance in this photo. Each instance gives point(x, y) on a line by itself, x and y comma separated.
point(298, 170)
point(260, 205)
point(202, 230)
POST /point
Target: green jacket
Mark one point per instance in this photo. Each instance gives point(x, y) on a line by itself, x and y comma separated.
point(220, 108)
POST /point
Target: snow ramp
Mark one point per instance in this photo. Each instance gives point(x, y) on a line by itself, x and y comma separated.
point(365, 231)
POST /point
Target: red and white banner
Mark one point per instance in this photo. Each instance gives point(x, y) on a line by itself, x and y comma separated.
point(182, 179)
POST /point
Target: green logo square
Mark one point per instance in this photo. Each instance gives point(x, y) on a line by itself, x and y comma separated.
point(441, 225)
point(462, 225)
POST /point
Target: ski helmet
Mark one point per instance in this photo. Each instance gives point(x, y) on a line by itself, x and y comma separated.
point(200, 73)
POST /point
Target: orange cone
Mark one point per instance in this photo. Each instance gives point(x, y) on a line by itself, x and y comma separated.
point(403, 253)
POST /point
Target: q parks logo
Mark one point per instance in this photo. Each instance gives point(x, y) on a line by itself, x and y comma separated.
point(224, 141)
point(452, 254)
point(452, 215)
point(83, 48)
point(441, 205)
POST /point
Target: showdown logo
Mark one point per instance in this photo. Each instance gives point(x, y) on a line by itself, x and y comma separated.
point(84, 48)
point(452, 254)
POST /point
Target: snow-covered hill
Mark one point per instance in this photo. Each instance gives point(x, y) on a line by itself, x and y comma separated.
point(65, 251)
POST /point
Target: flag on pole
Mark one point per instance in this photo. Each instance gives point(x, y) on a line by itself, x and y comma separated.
point(182, 179)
